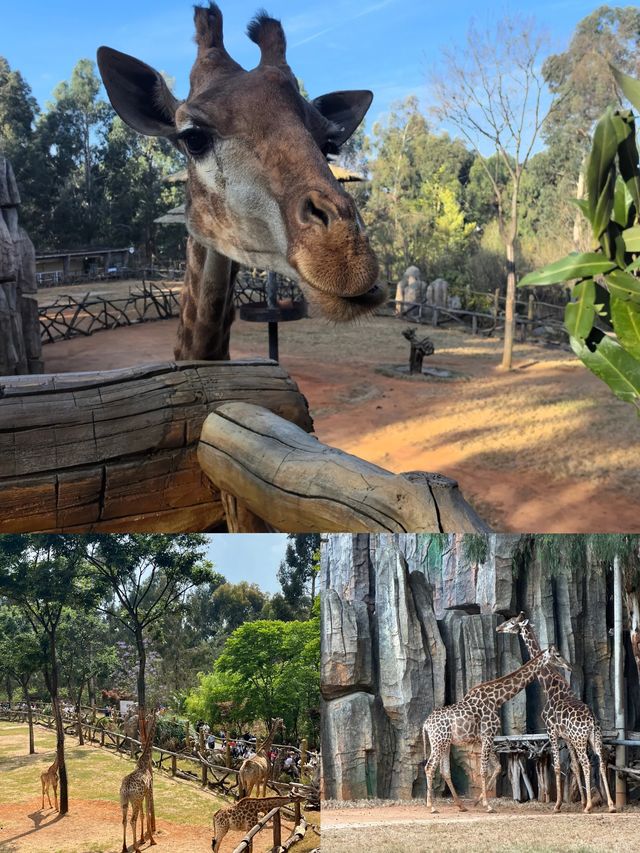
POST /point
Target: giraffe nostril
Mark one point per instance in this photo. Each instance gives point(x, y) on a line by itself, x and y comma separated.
point(315, 209)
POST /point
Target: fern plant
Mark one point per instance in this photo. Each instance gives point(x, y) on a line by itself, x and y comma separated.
point(603, 316)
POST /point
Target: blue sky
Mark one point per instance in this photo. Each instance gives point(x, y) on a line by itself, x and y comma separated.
point(384, 45)
point(253, 557)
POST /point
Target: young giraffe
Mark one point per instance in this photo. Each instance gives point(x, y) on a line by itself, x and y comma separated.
point(136, 790)
point(255, 770)
point(259, 188)
point(244, 815)
point(475, 718)
point(50, 779)
point(566, 717)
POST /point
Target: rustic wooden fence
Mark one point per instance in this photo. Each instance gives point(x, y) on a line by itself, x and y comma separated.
point(211, 777)
point(275, 816)
point(70, 316)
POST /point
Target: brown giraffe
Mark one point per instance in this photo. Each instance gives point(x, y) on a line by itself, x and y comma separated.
point(565, 716)
point(49, 779)
point(136, 790)
point(244, 815)
point(259, 188)
point(475, 718)
point(255, 770)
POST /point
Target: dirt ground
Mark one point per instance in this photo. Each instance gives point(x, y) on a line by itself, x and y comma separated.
point(542, 448)
point(526, 828)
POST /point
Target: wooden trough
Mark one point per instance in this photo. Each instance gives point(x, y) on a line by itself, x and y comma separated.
point(195, 446)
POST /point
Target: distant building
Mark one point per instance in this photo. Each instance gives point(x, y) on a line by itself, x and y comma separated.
point(54, 267)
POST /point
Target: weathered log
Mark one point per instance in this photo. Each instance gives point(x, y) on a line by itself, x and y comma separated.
point(116, 450)
point(295, 483)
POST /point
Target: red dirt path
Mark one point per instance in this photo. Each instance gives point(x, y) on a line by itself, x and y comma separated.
point(543, 448)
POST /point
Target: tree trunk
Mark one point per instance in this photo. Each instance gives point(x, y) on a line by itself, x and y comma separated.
point(618, 662)
point(142, 711)
point(51, 678)
point(509, 306)
point(25, 693)
point(79, 717)
point(579, 243)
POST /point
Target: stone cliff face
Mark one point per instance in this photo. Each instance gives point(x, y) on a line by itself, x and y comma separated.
point(409, 623)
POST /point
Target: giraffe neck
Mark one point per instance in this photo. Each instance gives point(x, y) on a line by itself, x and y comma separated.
point(500, 690)
point(206, 307)
point(549, 678)
point(266, 746)
point(145, 758)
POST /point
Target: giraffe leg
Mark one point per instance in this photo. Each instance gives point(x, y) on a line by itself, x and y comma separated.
point(55, 793)
point(42, 783)
point(445, 769)
point(487, 744)
point(135, 808)
point(429, 770)
point(124, 828)
point(597, 748)
point(142, 821)
point(152, 840)
point(555, 753)
point(583, 758)
point(575, 767)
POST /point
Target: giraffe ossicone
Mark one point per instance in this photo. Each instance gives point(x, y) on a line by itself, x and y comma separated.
point(259, 188)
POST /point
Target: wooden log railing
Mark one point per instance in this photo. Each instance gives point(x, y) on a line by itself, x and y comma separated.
point(116, 450)
point(128, 450)
point(286, 480)
point(275, 815)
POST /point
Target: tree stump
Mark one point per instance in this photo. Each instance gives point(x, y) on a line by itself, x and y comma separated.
point(20, 346)
point(419, 349)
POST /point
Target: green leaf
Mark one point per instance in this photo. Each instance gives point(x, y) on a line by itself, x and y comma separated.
point(622, 284)
point(611, 363)
point(583, 204)
point(626, 322)
point(629, 86)
point(633, 266)
point(572, 266)
point(622, 202)
point(631, 237)
point(600, 173)
point(628, 164)
point(579, 315)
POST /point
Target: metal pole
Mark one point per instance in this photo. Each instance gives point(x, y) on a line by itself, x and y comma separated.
point(618, 660)
point(273, 340)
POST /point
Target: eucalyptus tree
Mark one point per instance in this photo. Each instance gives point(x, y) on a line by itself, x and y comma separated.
point(21, 656)
point(491, 91)
point(43, 574)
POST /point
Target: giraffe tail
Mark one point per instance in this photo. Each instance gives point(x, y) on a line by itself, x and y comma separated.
point(425, 737)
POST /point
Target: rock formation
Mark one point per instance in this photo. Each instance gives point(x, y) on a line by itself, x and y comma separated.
point(20, 346)
point(409, 623)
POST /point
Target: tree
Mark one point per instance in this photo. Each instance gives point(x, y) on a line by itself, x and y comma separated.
point(298, 571)
point(232, 604)
point(581, 80)
point(146, 575)
point(267, 669)
point(491, 92)
point(20, 656)
point(85, 652)
point(42, 574)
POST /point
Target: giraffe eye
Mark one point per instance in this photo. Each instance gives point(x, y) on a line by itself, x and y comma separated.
point(196, 141)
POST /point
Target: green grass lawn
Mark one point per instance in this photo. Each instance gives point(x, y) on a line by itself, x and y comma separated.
point(94, 774)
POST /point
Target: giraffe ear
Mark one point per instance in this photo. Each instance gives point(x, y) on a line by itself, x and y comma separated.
point(344, 109)
point(138, 93)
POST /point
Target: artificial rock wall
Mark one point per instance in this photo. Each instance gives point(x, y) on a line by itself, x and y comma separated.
point(409, 623)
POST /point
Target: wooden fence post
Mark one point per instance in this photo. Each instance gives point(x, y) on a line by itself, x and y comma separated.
point(277, 829)
point(204, 775)
point(174, 765)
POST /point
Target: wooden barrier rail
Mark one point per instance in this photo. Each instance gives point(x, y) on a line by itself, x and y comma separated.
point(275, 815)
point(211, 777)
point(121, 450)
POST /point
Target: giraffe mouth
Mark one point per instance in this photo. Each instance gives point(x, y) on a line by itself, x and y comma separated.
point(343, 309)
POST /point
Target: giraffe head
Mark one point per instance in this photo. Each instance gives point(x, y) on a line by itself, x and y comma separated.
point(514, 624)
point(552, 657)
point(259, 186)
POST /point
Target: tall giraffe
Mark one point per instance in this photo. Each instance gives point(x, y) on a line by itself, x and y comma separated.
point(255, 770)
point(259, 188)
point(49, 779)
point(475, 718)
point(245, 814)
point(136, 790)
point(565, 716)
